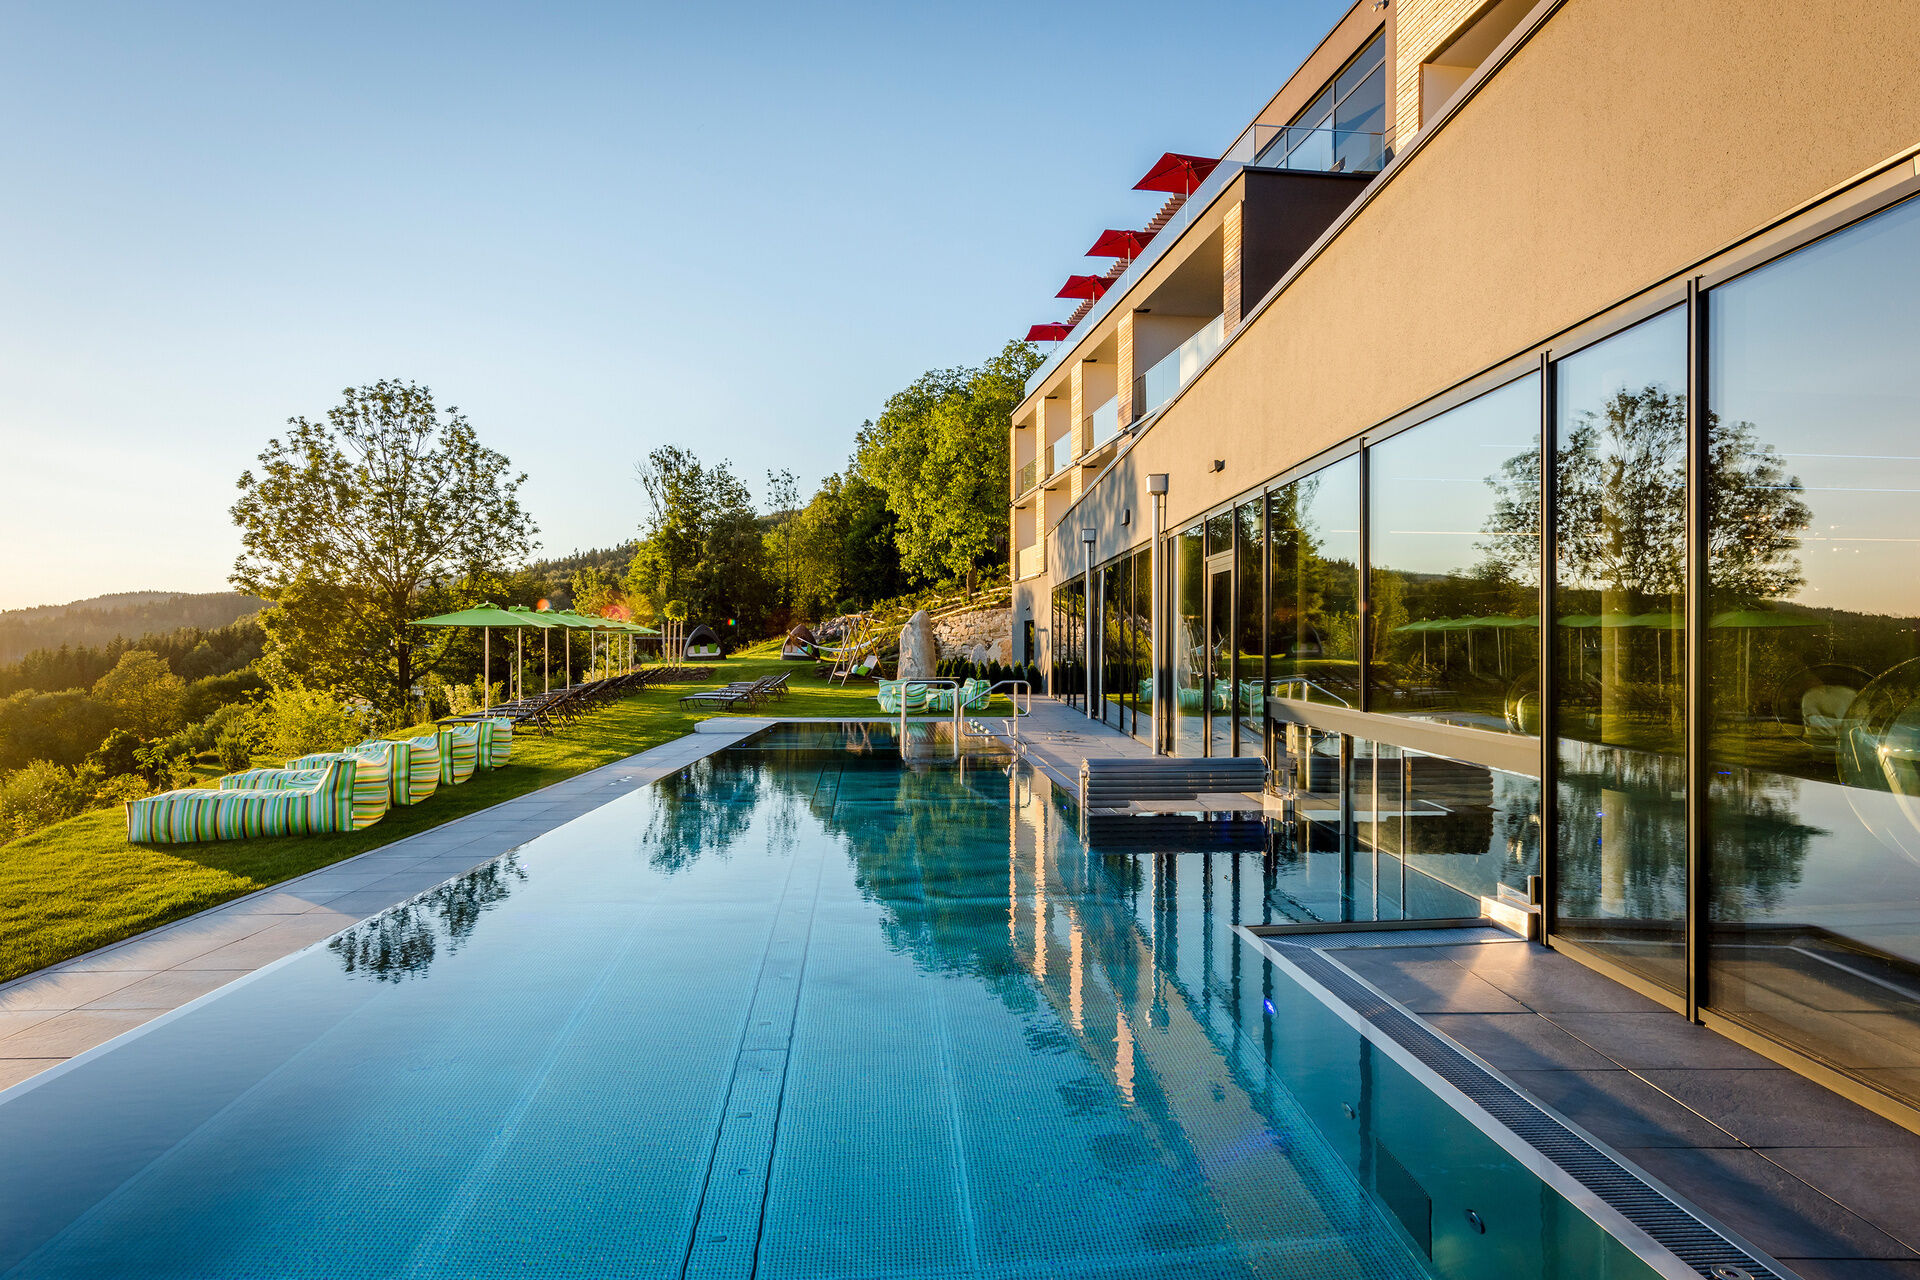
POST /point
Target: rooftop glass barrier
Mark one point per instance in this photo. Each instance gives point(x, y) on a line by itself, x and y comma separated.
point(1262, 146)
point(1173, 371)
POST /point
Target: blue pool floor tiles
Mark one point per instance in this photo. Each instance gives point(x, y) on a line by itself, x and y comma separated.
point(794, 1012)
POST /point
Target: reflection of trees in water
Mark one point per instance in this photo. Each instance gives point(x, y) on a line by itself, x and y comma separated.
point(403, 942)
point(703, 809)
point(1623, 826)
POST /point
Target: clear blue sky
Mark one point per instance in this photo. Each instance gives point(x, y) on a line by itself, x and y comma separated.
point(596, 229)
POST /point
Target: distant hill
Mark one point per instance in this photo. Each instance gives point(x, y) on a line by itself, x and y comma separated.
point(126, 614)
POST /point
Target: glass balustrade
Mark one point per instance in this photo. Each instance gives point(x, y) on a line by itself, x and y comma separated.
point(1028, 477)
point(1060, 454)
point(1103, 424)
point(1163, 381)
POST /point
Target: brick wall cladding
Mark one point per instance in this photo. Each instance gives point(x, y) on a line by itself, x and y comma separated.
point(1419, 28)
point(1123, 333)
point(1230, 268)
point(1077, 425)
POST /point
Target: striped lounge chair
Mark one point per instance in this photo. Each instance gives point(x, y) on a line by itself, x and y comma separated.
point(312, 802)
point(416, 768)
point(459, 753)
point(496, 742)
point(890, 692)
point(372, 779)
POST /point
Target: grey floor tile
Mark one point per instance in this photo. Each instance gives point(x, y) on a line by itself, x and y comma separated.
point(1518, 1041)
point(1774, 1107)
point(14, 1070)
point(1852, 1268)
point(1880, 1184)
point(1770, 1207)
point(13, 1020)
point(1429, 986)
point(64, 989)
point(1659, 1039)
point(1620, 1109)
point(73, 1032)
point(1542, 980)
point(167, 990)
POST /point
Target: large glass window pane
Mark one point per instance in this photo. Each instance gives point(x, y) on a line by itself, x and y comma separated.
point(1187, 644)
point(1142, 641)
point(1249, 663)
point(1814, 570)
point(1619, 646)
point(1314, 527)
point(1455, 525)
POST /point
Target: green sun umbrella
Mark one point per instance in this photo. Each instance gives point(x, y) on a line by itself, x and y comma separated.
point(486, 616)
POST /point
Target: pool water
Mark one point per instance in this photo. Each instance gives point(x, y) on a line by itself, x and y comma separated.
point(800, 1010)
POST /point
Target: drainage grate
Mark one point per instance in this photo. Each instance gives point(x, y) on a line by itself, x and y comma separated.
point(1677, 1229)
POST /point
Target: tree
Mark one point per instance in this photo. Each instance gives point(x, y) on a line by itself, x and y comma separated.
point(844, 547)
point(142, 695)
point(702, 542)
point(939, 453)
point(348, 521)
point(783, 508)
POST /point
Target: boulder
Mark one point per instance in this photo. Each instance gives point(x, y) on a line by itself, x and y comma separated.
point(918, 652)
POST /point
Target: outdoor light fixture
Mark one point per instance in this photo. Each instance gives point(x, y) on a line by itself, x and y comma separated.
point(1157, 484)
point(1219, 464)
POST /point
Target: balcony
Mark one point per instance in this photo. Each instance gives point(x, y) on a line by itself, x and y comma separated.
point(1060, 455)
point(1027, 477)
point(1263, 146)
point(1103, 424)
point(1175, 370)
point(1032, 560)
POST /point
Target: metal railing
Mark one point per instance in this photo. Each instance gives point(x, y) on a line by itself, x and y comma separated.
point(1306, 683)
point(1017, 691)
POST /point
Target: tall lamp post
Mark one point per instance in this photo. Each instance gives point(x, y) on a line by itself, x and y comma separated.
point(1157, 487)
point(1087, 537)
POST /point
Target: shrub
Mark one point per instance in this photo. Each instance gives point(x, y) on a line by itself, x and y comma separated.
point(298, 722)
point(40, 795)
point(205, 697)
point(234, 748)
point(166, 764)
point(116, 755)
point(115, 791)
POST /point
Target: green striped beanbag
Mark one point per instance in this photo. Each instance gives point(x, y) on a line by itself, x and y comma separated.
point(418, 774)
point(973, 695)
point(372, 778)
point(890, 693)
point(496, 742)
point(459, 753)
point(300, 802)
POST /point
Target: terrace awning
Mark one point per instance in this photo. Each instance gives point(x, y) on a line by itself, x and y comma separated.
point(1181, 175)
point(1120, 244)
point(1088, 287)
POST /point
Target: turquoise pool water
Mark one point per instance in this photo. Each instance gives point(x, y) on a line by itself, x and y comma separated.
point(801, 1010)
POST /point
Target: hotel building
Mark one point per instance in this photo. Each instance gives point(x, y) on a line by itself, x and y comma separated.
point(1596, 313)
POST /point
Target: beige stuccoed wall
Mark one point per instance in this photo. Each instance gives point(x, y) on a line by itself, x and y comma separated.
point(1626, 140)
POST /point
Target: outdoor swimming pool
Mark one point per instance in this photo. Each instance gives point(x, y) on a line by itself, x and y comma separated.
point(801, 1010)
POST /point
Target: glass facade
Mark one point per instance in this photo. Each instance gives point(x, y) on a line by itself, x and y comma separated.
point(1813, 573)
point(1454, 585)
point(1736, 808)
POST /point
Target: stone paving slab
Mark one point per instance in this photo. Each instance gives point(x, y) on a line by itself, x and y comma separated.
point(68, 1008)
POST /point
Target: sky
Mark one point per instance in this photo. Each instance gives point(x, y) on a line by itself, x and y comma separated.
point(596, 229)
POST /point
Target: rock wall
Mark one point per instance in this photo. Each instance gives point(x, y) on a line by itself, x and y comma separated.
point(959, 635)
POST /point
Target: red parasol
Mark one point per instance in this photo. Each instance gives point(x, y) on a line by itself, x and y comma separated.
point(1088, 287)
point(1120, 244)
point(1048, 333)
point(1177, 173)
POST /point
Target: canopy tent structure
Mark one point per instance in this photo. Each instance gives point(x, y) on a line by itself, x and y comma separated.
point(1049, 332)
point(1181, 175)
point(486, 616)
point(800, 644)
point(1120, 244)
point(702, 643)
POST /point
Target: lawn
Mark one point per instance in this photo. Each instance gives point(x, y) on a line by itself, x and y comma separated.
point(79, 885)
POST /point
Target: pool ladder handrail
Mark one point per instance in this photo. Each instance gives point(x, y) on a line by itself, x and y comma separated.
point(959, 711)
point(1017, 692)
point(930, 683)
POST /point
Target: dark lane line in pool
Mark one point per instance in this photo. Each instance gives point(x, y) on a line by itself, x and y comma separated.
point(724, 1240)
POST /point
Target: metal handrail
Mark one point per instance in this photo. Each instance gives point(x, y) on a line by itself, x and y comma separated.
point(1016, 690)
point(930, 683)
point(1302, 680)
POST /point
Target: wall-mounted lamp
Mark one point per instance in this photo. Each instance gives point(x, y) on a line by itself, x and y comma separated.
point(1157, 483)
point(1126, 517)
point(1219, 464)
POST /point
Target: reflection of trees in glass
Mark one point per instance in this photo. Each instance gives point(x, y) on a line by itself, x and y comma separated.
point(1315, 598)
point(1622, 480)
point(403, 942)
